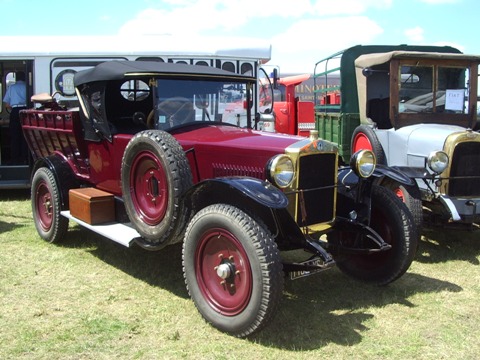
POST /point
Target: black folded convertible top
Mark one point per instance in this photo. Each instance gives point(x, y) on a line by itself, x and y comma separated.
point(118, 70)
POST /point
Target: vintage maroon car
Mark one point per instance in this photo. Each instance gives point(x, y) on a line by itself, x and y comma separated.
point(158, 160)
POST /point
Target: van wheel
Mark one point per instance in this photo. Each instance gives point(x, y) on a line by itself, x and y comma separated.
point(392, 220)
point(155, 175)
point(232, 269)
point(46, 206)
point(365, 138)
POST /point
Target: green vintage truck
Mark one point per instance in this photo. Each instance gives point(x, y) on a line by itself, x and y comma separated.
point(416, 108)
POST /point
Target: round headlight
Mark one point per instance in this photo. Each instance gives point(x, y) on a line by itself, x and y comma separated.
point(363, 163)
point(437, 161)
point(282, 171)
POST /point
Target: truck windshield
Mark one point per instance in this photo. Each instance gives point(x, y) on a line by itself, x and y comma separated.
point(433, 89)
point(178, 102)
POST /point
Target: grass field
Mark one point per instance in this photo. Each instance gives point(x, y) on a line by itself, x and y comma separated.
point(89, 298)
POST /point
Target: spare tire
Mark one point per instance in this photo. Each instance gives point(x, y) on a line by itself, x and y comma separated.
point(365, 138)
point(155, 174)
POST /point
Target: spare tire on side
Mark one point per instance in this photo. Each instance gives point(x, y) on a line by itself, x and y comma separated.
point(155, 175)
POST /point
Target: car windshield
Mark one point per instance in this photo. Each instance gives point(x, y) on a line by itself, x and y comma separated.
point(178, 102)
point(433, 89)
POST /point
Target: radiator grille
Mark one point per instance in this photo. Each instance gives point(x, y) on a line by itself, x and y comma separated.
point(316, 171)
point(465, 162)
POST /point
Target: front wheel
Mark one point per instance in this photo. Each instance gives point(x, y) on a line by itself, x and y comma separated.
point(410, 195)
point(364, 137)
point(46, 206)
point(232, 269)
point(392, 220)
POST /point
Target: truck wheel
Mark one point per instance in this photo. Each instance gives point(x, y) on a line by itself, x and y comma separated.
point(410, 196)
point(365, 138)
point(232, 269)
point(46, 206)
point(155, 174)
point(393, 221)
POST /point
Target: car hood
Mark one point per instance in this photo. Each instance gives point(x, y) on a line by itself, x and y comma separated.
point(216, 150)
point(411, 145)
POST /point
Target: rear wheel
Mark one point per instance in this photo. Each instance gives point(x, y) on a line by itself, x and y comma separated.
point(232, 269)
point(392, 220)
point(46, 206)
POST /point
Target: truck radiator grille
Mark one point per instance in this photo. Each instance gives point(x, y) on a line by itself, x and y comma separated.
point(317, 172)
point(465, 162)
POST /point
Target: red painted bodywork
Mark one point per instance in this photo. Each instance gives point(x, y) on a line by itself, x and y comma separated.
point(213, 150)
point(290, 111)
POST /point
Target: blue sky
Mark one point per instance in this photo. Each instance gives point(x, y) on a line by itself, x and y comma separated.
point(301, 32)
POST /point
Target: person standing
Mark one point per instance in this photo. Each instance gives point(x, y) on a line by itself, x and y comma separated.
point(15, 100)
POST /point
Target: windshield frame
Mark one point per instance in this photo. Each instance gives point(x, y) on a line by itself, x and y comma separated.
point(400, 119)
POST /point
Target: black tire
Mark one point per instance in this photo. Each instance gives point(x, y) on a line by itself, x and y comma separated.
point(223, 239)
point(364, 137)
point(155, 175)
point(393, 221)
point(46, 206)
point(410, 195)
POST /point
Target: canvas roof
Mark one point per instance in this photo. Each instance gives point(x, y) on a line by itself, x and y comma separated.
point(118, 70)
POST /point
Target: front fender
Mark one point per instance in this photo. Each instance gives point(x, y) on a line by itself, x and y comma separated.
point(399, 175)
point(403, 175)
point(242, 189)
point(258, 198)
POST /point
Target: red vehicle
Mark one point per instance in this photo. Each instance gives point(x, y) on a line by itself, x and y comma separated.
point(292, 116)
point(150, 159)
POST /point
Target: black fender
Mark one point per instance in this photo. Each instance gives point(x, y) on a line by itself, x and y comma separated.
point(404, 176)
point(240, 189)
point(258, 198)
point(348, 181)
point(413, 172)
point(354, 193)
point(63, 173)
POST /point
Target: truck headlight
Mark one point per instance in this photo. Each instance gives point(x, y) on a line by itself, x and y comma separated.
point(363, 163)
point(437, 161)
point(281, 171)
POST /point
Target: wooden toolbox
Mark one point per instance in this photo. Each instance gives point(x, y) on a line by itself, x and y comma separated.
point(92, 205)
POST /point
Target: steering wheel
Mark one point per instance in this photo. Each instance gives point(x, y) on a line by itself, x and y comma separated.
point(177, 110)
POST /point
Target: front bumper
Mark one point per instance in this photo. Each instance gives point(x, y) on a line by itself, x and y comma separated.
point(462, 210)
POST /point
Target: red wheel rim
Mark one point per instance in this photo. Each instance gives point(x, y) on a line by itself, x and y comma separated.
point(361, 142)
point(223, 272)
point(400, 194)
point(44, 205)
point(149, 188)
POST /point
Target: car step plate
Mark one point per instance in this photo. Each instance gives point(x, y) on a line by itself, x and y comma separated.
point(123, 234)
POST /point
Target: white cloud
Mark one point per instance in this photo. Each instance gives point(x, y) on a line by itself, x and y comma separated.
point(415, 34)
point(438, 2)
point(185, 17)
point(348, 7)
point(301, 55)
point(292, 48)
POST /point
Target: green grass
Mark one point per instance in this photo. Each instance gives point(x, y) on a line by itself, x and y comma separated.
point(89, 298)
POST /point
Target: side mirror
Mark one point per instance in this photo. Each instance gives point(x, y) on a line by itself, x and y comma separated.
point(275, 78)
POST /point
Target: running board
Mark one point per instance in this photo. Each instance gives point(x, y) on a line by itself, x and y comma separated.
point(123, 234)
